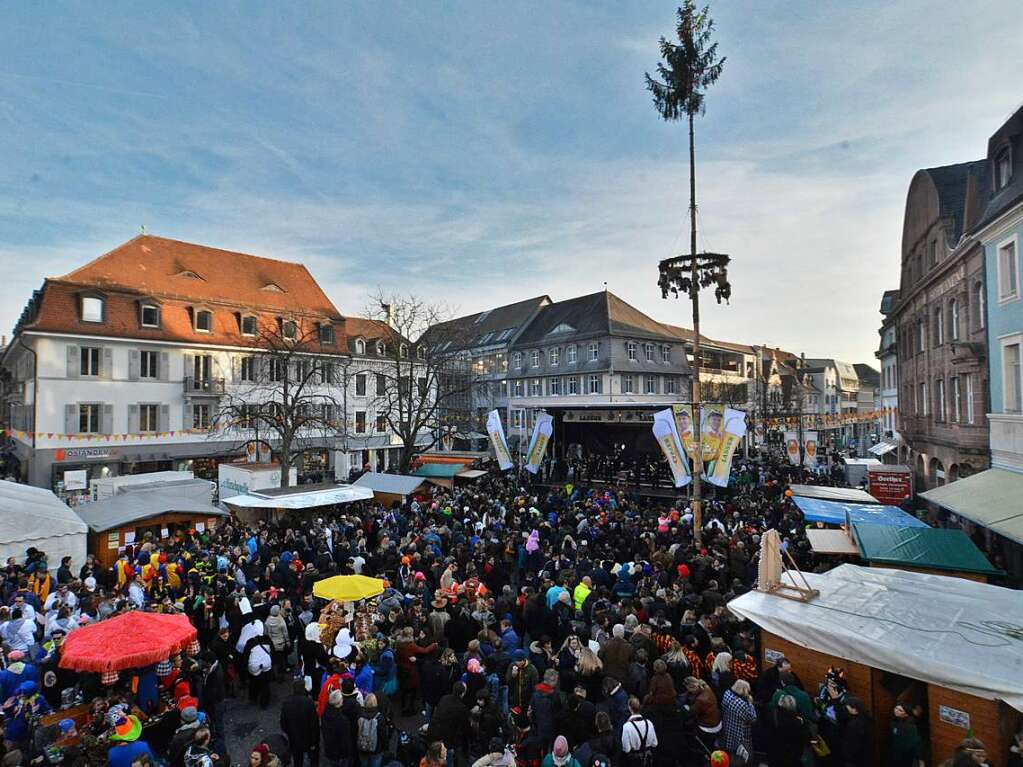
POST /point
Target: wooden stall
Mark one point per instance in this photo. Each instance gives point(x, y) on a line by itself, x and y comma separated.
point(904, 637)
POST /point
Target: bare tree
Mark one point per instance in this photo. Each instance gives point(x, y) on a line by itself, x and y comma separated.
point(429, 377)
point(284, 392)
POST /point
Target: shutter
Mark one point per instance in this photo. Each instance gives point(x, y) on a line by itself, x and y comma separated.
point(107, 420)
point(163, 423)
point(106, 370)
point(236, 369)
point(71, 419)
point(164, 370)
point(133, 419)
point(74, 364)
point(189, 366)
point(134, 357)
point(186, 416)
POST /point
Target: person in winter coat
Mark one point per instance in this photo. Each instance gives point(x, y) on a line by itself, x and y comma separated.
point(787, 734)
point(560, 756)
point(450, 721)
point(408, 653)
point(703, 705)
point(857, 735)
point(616, 654)
point(372, 734)
point(604, 742)
point(738, 714)
point(498, 755)
point(336, 732)
point(277, 630)
point(521, 678)
point(301, 725)
point(617, 704)
point(546, 708)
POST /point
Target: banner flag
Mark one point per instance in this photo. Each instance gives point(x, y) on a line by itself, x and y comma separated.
point(726, 436)
point(792, 447)
point(810, 449)
point(666, 433)
point(712, 433)
point(684, 430)
point(496, 431)
point(542, 431)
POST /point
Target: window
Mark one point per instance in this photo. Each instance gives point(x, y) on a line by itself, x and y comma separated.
point(650, 385)
point(573, 385)
point(957, 402)
point(534, 387)
point(939, 328)
point(423, 386)
point(289, 329)
point(360, 346)
point(148, 417)
point(381, 383)
point(149, 364)
point(979, 302)
point(381, 348)
point(421, 352)
point(248, 369)
point(969, 397)
point(200, 416)
point(1003, 169)
point(88, 419)
point(570, 354)
point(327, 412)
point(594, 384)
point(381, 422)
point(630, 350)
point(277, 369)
point(403, 351)
point(327, 334)
point(666, 354)
point(1008, 272)
point(360, 385)
point(93, 309)
point(921, 335)
point(554, 356)
point(953, 319)
point(594, 351)
point(1011, 373)
point(554, 387)
point(204, 321)
point(517, 360)
point(150, 316)
point(90, 361)
point(670, 385)
point(248, 325)
point(518, 387)
point(648, 349)
point(628, 384)
point(534, 359)
point(932, 253)
point(939, 399)
point(518, 418)
point(360, 421)
point(923, 398)
point(327, 372)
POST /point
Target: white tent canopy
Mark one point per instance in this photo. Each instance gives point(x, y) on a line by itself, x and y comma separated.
point(33, 516)
point(301, 500)
point(946, 631)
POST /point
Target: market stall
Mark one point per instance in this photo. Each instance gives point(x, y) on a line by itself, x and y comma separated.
point(824, 493)
point(893, 631)
point(924, 549)
point(837, 513)
point(391, 488)
point(160, 511)
point(266, 503)
point(35, 517)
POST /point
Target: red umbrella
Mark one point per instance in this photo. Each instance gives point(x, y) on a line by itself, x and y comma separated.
point(131, 640)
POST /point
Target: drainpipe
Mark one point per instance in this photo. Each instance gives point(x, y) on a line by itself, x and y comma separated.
point(35, 386)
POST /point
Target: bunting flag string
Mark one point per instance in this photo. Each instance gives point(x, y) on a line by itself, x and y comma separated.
point(23, 434)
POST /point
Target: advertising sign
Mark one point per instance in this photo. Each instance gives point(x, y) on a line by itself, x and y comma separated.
point(891, 485)
point(810, 449)
point(542, 431)
point(495, 429)
point(76, 480)
point(718, 468)
point(792, 447)
point(667, 437)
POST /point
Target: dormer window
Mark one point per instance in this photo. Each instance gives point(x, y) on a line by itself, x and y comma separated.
point(421, 352)
point(327, 334)
point(249, 325)
point(403, 350)
point(1003, 169)
point(93, 309)
point(289, 329)
point(381, 349)
point(188, 274)
point(272, 287)
point(149, 316)
point(360, 346)
point(204, 321)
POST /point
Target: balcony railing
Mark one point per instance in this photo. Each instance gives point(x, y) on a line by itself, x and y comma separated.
point(199, 387)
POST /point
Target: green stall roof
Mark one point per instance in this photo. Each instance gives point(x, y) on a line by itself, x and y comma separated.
point(440, 470)
point(926, 547)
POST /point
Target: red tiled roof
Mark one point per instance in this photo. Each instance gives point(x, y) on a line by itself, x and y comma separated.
point(159, 267)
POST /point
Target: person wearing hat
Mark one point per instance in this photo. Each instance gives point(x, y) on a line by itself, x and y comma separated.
point(560, 756)
point(438, 616)
point(183, 736)
point(521, 678)
point(127, 748)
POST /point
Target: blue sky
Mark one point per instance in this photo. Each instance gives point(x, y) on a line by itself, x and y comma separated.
point(478, 153)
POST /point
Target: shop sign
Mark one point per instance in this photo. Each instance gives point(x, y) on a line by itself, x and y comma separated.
point(772, 656)
point(890, 487)
point(954, 717)
point(113, 540)
point(76, 480)
point(609, 416)
point(83, 453)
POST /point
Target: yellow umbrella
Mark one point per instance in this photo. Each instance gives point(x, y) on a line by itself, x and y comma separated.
point(348, 588)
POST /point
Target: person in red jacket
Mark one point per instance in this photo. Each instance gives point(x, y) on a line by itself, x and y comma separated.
point(407, 653)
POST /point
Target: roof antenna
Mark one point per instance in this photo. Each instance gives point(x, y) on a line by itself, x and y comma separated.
point(143, 229)
point(605, 286)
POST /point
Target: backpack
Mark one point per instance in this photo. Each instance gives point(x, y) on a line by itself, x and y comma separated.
point(367, 736)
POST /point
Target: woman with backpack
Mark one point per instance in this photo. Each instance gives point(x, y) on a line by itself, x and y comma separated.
point(372, 733)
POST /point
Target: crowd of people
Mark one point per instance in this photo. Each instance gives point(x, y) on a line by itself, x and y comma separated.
point(544, 626)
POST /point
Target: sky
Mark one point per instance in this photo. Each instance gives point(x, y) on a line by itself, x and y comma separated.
point(476, 153)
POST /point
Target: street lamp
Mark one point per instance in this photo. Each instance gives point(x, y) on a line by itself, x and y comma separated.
point(687, 275)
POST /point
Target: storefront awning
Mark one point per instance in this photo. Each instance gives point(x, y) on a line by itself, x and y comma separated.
point(471, 474)
point(991, 499)
point(302, 500)
point(393, 484)
point(836, 513)
point(849, 494)
point(929, 548)
point(882, 448)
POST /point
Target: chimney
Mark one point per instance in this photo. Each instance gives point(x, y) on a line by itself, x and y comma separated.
point(388, 310)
